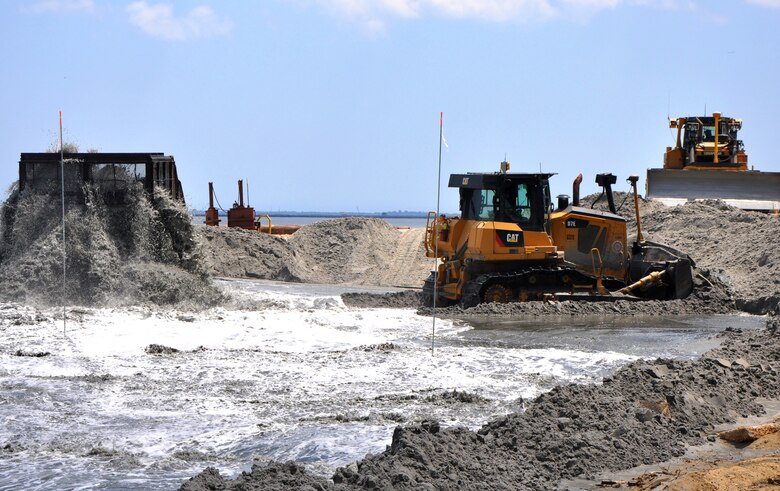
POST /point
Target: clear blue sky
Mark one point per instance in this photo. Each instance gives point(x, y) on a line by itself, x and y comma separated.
point(333, 105)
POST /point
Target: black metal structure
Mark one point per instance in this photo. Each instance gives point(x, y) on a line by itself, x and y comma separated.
point(111, 173)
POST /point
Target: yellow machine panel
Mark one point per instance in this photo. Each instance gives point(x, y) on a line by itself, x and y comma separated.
point(577, 231)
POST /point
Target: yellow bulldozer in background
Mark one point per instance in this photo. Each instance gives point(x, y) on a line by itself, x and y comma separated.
point(708, 144)
point(709, 162)
point(509, 245)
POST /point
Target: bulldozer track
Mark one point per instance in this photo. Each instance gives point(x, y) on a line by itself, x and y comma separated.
point(533, 282)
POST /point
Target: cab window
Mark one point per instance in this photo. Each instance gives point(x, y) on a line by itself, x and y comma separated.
point(478, 204)
point(708, 133)
point(515, 201)
point(523, 202)
point(486, 204)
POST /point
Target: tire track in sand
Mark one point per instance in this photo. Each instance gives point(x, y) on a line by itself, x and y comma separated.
point(408, 267)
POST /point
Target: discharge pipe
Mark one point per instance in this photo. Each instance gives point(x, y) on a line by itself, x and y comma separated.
point(644, 282)
point(240, 193)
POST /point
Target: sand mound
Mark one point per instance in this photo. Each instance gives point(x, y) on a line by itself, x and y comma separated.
point(357, 251)
point(271, 476)
point(344, 250)
point(736, 245)
point(624, 203)
point(140, 252)
point(237, 253)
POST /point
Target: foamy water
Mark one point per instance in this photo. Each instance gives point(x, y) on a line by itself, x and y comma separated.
point(299, 376)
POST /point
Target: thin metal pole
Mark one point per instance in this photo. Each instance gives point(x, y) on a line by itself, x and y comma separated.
point(436, 236)
point(62, 196)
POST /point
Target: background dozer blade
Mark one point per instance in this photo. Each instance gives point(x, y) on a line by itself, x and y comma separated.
point(749, 190)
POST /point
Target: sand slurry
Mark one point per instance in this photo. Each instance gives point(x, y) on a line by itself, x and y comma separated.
point(140, 252)
point(648, 412)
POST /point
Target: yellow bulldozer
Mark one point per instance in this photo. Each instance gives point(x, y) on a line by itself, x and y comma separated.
point(510, 245)
point(709, 161)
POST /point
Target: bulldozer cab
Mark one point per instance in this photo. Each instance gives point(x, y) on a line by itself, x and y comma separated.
point(703, 130)
point(513, 198)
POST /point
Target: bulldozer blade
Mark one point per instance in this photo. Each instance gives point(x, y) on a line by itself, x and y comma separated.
point(748, 190)
point(648, 257)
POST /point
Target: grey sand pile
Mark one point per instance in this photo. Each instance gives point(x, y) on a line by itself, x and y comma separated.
point(142, 252)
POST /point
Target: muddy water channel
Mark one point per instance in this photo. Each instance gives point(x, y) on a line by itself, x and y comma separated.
point(143, 399)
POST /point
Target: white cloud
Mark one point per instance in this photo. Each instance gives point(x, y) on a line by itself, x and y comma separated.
point(359, 8)
point(666, 4)
point(60, 6)
point(377, 12)
point(373, 15)
point(766, 3)
point(592, 4)
point(403, 8)
point(494, 10)
point(160, 21)
point(373, 27)
point(583, 10)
